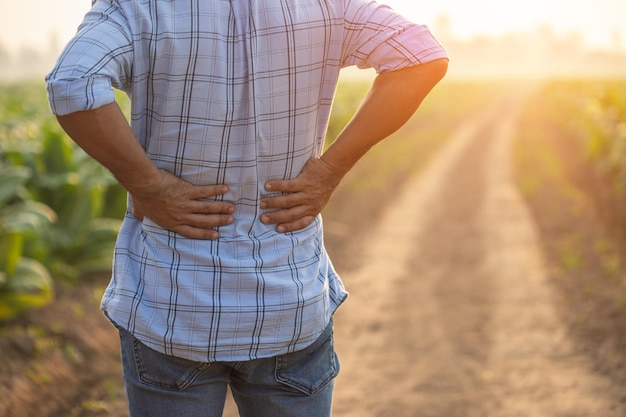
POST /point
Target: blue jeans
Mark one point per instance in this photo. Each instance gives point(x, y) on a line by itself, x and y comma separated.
point(298, 384)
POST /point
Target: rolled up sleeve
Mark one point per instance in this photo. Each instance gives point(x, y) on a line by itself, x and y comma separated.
point(377, 37)
point(96, 60)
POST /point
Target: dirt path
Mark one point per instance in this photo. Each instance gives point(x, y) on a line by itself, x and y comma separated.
point(450, 313)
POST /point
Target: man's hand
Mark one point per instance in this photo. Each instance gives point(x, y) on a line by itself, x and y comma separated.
point(164, 198)
point(177, 205)
point(303, 197)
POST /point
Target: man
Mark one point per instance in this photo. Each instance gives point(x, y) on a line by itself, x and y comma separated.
point(220, 274)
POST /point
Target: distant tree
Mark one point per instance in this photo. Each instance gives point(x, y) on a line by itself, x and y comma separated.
point(442, 26)
point(6, 62)
point(30, 63)
point(617, 40)
point(5, 56)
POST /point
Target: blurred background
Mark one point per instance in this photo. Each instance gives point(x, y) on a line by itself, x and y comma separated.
point(486, 38)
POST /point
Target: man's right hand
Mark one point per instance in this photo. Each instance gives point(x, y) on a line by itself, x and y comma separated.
point(165, 199)
point(179, 206)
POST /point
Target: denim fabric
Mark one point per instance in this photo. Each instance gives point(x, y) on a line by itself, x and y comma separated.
point(297, 384)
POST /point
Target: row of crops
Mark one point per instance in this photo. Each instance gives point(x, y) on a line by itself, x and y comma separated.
point(59, 211)
point(594, 113)
point(571, 165)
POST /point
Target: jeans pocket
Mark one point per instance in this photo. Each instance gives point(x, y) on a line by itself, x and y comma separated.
point(164, 371)
point(310, 369)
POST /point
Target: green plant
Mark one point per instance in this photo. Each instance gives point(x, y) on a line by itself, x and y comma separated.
point(573, 134)
point(79, 190)
point(59, 209)
point(24, 282)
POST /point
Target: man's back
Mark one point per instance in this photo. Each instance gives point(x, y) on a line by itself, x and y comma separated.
point(235, 93)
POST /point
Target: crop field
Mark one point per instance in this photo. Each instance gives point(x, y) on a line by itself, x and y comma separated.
point(593, 115)
point(60, 213)
point(582, 127)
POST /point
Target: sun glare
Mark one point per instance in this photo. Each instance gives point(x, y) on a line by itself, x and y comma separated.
point(599, 22)
point(536, 25)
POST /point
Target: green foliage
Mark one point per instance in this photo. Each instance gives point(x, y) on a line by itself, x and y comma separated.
point(59, 209)
point(594, 112)
point(589, 118)
point(348, 97)
point(24, 282)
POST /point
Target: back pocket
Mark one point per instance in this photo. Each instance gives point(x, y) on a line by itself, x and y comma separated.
point(164, 371)
point(310, 369)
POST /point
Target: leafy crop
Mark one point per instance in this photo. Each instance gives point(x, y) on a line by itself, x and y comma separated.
point(594, 112)
point(24, 282)
point(59, 209)
point(572, 157)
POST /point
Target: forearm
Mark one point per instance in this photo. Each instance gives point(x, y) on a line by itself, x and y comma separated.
point(167, 200)
point(392, 100)
point(106, 136)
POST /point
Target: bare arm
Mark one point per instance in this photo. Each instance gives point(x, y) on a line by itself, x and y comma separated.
point(392, 100)
point(167, 200)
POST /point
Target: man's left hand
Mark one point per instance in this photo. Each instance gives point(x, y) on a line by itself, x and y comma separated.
point(303, 197)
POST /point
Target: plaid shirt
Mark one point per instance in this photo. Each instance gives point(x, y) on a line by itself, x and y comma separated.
point(237, 93)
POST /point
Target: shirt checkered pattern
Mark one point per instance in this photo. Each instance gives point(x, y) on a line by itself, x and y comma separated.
point(233, 92)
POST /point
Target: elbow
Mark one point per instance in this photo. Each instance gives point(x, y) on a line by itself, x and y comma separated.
point(428, 75)
point(437, 69)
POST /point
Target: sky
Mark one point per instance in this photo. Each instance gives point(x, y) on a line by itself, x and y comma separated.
point(597, 20)
point(34, 23)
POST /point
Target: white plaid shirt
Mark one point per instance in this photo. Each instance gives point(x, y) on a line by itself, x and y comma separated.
point(233, 92)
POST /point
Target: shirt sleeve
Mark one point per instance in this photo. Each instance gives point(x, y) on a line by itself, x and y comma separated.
point(98, 58)
point(377, 37)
